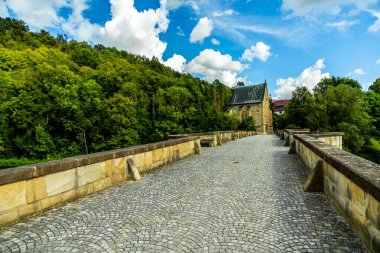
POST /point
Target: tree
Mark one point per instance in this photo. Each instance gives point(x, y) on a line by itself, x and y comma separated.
point(375, 86)
point(240, 84)
point(300, 107)
point(321, 87)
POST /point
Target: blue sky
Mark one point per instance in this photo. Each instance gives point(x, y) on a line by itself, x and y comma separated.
point(289, 43)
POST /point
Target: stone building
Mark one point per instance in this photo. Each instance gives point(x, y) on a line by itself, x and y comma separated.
point(253, 101)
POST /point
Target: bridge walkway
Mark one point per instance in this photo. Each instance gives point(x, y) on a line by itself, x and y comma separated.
point(245, 196)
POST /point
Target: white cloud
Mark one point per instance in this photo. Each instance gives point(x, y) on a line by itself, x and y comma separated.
point(375, 27)
point(215, 42)
point(176, 62)
point(223, 13)
point(202, 30)
point(38, 13)
point(308, 78)
point(342, 25)
point(301, 8)
point(79, 27)
point(214, 65)
point(260, 51)
point(3, 9)
point(378, 61)
point(358, 72)
point(134, 31)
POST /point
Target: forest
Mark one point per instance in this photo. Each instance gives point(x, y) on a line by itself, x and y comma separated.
point(61, 98)
point(338, 104)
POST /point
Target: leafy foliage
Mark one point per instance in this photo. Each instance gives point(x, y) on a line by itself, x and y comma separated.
point(338, 104)
point(61, 98)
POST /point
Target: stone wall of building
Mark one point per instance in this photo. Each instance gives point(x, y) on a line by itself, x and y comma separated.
point(351, 183)
point(29, 190)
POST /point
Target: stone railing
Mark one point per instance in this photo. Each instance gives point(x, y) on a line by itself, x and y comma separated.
point(351, 183)
point(212, 139)
point(287, 134)
point(333, 138)
point(28, 190)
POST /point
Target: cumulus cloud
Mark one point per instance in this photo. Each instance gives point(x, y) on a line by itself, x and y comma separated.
point(300, 8)
point(214, 65)
point(215, 42)
point(134, 31)
point(308, 78)
point(202, 30)
point(260, 51)
point(223, 13)
point(38, 13)
point(176, 62)
point(358, 72)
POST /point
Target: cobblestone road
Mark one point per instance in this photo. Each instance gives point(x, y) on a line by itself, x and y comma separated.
point(245, 196)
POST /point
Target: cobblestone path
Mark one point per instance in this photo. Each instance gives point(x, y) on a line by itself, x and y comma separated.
point(245, 196)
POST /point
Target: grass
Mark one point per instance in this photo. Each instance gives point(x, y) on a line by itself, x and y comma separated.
point(10, 163)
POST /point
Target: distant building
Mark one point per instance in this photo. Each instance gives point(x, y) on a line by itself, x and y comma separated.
point(253, 101)
point(279, 106)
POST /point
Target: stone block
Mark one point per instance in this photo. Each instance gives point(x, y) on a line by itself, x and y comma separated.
point(372, 211)
point(102, 184)
point(85, 190)
point(157, 155)
point(60, 182)
point(139, 161)
point(12, 196)
point(70, 195)
point(119, 165)
point(107, 168)
point(51, 201)
point(9, 217)
point(117, 179)
point(89, 173)
point(36, 189)
point(148, 163)
point(358, 196)
point(30, 209)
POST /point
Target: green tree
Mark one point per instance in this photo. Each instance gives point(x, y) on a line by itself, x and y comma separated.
point(375, 86)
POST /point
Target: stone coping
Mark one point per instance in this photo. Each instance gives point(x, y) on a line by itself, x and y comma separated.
point(328, 134)
point(207, 133)
point(41, 169)
point(297, 131)
point(364, 173)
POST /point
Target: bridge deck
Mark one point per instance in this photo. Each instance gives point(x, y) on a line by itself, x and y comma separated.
point(245, 196)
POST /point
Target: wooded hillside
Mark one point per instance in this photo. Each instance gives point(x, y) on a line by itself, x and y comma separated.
point(61, 98)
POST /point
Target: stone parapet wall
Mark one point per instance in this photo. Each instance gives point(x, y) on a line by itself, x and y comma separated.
point(32, 189)
point(333, 138)
point(351, 183)
point(212, 139)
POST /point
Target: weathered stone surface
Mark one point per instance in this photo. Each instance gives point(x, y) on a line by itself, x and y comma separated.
point(60, 182)
point(36, 189)
point(102, 184)
point(133, 172)
point(89, 174)
point(315, 181)
point(12, 195)
point(29, 209)
point(7, 218)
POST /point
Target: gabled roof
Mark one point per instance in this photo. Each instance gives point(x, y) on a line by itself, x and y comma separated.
point(249, 94)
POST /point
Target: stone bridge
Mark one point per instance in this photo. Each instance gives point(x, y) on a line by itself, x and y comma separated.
point(244, 196)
